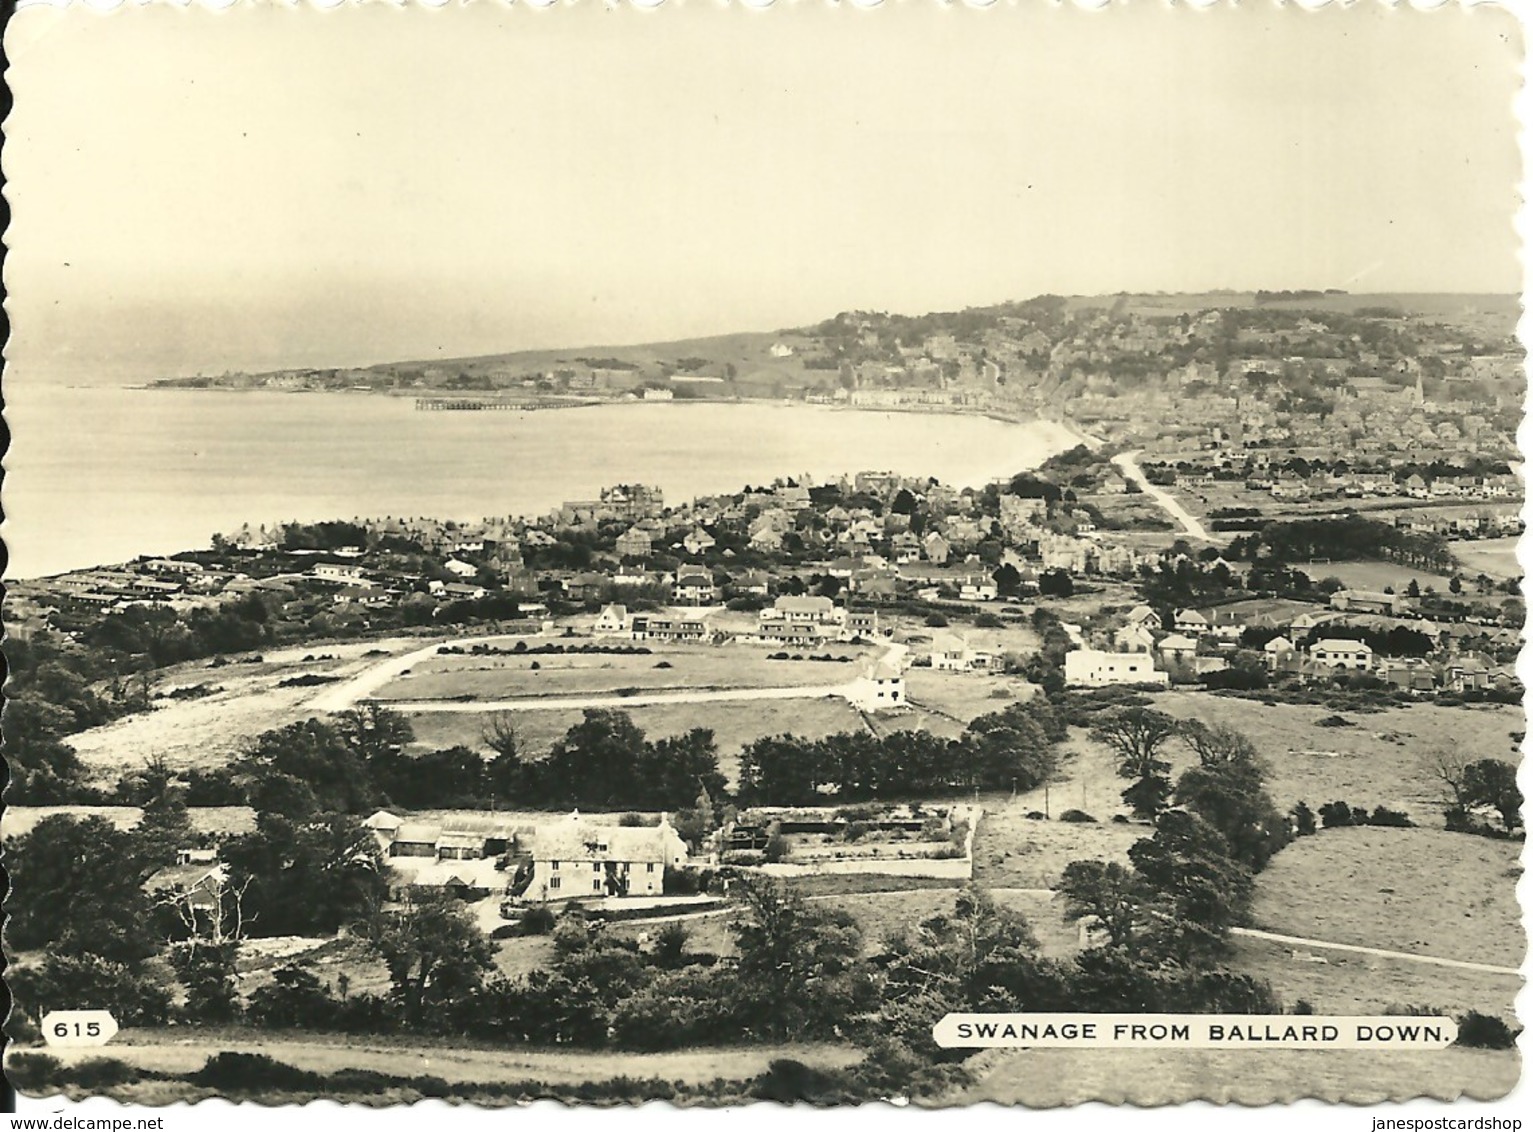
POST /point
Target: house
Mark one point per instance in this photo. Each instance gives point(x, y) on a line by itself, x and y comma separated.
point(630, 576)
point(194, 884)
point(1133, 638)
point(339, 573)
point(860, 623)
point(1278, 651)
point(460, 591)
point(460, 568)
point(1467, 673)
point(1368, 601)
point(672, 629)
point(634, 543)
point(803, 611)
point(575, 857)
point(1191, 623)
point(1093, 668)
point(787, 633)
point(1416, 678)
point(754, 582)
point(698, 541)
point(1144, 616)
point(1177, 649)
point(979, 587)
point(612, 620)
point(951, 653)
point(694, 587)
point(882, 687)
point(1336, 652)
point(936, 548)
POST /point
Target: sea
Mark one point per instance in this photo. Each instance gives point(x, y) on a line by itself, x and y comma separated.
point(104, 474)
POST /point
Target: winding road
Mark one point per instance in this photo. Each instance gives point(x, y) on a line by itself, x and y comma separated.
point(1128, 465)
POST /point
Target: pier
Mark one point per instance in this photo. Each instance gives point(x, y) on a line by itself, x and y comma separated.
point(475, 404)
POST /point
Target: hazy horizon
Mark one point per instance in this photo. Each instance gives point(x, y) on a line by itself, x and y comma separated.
point(260, 188)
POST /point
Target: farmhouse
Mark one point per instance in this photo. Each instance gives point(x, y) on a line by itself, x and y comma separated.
point(1093, 668)
point(575, 857)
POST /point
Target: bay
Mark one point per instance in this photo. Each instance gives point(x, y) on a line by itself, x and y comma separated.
point(97, 475)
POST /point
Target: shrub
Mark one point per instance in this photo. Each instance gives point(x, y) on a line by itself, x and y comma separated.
point(1334, 721)
point(34, 1073)
point(231, 1071)
point(1304, 824)
point(1335, 815)
point(936, 621)
point(102, 1073)
point(1395, 818)
point(1076, 816)
point(1036, 815)
point(1485, 1031)
point(538, 920)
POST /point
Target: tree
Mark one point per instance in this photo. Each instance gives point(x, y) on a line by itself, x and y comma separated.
point(1217, 745)
point(1189, 862)
point(435, 955)
point(799, 967)
point(76, 891)
point(1008, 748)
point(320, 757)
point(1493, 783)
point(305, 877)
point(978, 957)
point(1112, 898)
point(1136, 736)
point(295, 998)
point(1231, 798)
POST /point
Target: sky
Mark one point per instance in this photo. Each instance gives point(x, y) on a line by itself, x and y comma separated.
point(198, 190)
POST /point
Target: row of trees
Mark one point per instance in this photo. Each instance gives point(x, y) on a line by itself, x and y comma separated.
point(1013, 748)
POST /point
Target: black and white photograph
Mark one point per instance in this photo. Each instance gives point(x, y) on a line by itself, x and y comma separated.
point(701, 556)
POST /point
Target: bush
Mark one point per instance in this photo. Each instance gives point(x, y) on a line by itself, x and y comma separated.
point(35, 1073)
point(936, 621)
point(1334, 721)
point(102, 1073)
point(1036, 815)
point(249, 1072)
point(1304, 824)
point(538, 920)
point(1485, 1031)
point(1336, 815)
point(1076, 816)
point(1387, 817)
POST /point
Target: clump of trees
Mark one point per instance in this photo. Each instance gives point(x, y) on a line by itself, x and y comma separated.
point(1015, 747)
point(1476, 787)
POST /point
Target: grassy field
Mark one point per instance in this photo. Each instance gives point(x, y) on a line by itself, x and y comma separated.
point(176, 1051)
point(1425, 891)
point(734, 724)
point(1046, 1078)
point(1352, 984)
point(964, 695)
point(1385, 759)
point(1496, 557)
point(210, 730)
point(671, 668)
point(1375, 575)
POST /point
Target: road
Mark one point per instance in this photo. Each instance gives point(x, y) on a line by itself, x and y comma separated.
point(1323, 945)
point(1190, 523)
point(340, 697)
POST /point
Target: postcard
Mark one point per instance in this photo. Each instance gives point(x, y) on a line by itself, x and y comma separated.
point(701, 556)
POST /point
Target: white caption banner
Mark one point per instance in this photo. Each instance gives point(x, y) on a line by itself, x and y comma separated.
point(1193, 1031)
